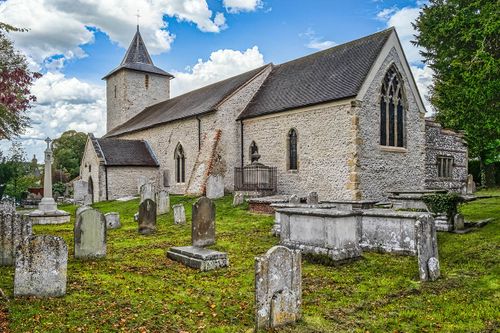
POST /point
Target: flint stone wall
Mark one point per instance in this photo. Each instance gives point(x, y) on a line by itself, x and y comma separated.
point(41, 267)
point(14, 229)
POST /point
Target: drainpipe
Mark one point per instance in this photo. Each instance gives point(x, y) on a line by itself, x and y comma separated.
point(242, 154)
point(199, 133)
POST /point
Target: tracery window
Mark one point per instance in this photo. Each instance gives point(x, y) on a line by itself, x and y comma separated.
point(180, 164)
point(292, 149)
point(392, 117)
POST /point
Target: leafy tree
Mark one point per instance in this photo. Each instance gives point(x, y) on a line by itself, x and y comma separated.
point(15, 83)
point(68, 152)
point(461, 42)
point(17, 170)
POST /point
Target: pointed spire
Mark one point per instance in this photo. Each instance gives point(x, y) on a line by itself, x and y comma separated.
point(137, 51)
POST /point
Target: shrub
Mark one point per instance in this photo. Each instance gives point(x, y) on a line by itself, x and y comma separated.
point(439, 203)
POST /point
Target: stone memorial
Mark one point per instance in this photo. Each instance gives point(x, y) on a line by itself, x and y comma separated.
point(162, 202)
point(179, 214)
point(202, 234)
point(312, 198)
point(81, 209)
point(14, 229)
point(47, 212)
point(427, 248)
point(458, 222)
point(112, 220)
point(294, 199)
point(278, 287)
point(90, 234)
point(41, 267)
point(471, 185)
point(238, 199)
point(215, 187)
point(80, 189)
point(147, 192)
point(147, 217)
point(142, 180)
point(87, 199)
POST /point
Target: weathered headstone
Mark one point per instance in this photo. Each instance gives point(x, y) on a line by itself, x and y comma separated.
point(312, 198)
point(179, 214)
point(427, 248)
point(87, 200)
point(294, 199)
point(90, 234)
point(162, 202)
point(81, 209)
point(14, 229)
point(458, 222)
point(238, 199)
point(147, 217)
point(471, 185)
point(203, 222)
point(80, 189)
point(41, 267)
point(215, 187)
point(147, 192)
point(112, 220)
point(278, 287)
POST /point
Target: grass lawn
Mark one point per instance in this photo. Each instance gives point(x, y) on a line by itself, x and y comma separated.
point(137, 289)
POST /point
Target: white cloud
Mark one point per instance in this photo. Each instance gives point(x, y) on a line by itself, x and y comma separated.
point(316, 42)
point(221, 64)
point(236, 6)
point(47, 19)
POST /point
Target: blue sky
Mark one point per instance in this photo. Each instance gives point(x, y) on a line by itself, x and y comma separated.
point(75, 43)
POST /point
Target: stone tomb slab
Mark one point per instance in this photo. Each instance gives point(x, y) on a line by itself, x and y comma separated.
point(198, 258)
point(90, 234)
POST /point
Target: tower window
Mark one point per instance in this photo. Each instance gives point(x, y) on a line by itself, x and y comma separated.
point(146, 81)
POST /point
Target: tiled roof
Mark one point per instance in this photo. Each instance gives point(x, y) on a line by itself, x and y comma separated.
point(117, 152)
point(191, 104)
point(328, 75)
point(137, 58)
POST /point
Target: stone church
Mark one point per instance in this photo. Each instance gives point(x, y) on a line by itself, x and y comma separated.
point(347, 122)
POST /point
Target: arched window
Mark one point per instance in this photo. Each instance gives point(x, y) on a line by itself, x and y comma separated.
point(392, 117)
point(292, 149)
point(180, 164)
point(254, 152)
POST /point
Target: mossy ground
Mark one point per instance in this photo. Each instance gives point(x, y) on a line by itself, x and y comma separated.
point(137, 289)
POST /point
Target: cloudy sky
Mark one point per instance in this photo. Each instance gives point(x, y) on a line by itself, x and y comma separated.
point(74, 43)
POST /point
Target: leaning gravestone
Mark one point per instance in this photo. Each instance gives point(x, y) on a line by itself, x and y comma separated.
point(427, 248)
point(147, 192)
point(147, 217)
point(14, 229)
point(41, 267)
point(203, 223)
point(179, 214)
point(278, 287)
point(112, 220)
point(294, 200)
point(215, 186)
point(312, 198)
point(238, 199)
point(90, 235)
point(162, 202)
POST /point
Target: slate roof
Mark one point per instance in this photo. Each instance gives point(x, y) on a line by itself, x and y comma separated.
point(118, 152)
point(193, 103)
point(137, 58)
point(328, 75)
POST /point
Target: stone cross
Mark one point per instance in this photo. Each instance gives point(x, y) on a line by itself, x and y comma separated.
point(47, 178)
point(162, 202)
point(112, 220)
point(278, 287)
point(14, 229)
point(203, 223)
point(427, 248)
point(147, 217)
point(90, 234)
point(179, 214)
point(41, 267)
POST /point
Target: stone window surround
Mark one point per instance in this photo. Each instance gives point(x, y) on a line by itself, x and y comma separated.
point(448, 174)
point(287, 157)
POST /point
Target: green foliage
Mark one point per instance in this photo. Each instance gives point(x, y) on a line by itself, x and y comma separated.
point(59, 189)
point(137, 289)
point(68, 152)
point(442, 202)
point(14, 172)
point(461, 44)
point(18, 187)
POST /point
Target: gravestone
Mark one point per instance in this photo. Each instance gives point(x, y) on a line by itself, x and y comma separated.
point(179, 214)
point(81, 209)
point(80, 189)
point(162, 202)
point(87, 200)
point(41, 267)
point(141, 180)
point(312, 198)
point(215, 187)
point(203, 223)
point(147, 192)
point(147, 217)
point(238, 199)
point(14, 229)
point(294, 199)
point(458, 222)
point(278, 287)
point(112, 220)
point(90, 234)
point(471, 185)
point(427, 248)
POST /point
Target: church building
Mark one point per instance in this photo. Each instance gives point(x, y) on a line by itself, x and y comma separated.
point(347, 122)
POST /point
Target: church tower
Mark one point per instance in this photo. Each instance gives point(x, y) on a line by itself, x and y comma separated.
point(134, 85)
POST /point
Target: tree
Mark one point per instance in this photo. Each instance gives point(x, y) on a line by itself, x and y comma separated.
point(17, 172)
point(462, 45)
point(68, 151)
point(15, 82)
